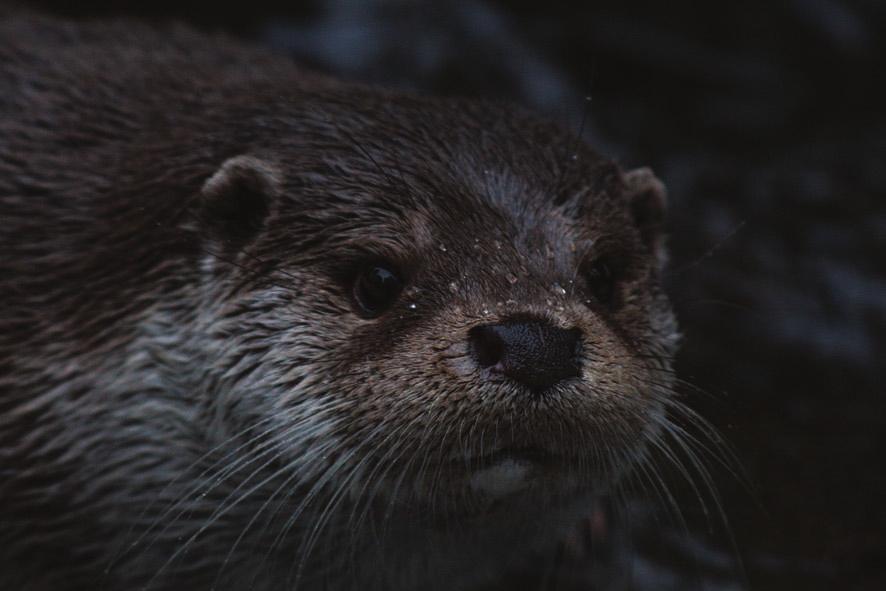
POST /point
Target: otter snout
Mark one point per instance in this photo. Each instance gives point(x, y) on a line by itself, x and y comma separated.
point(529, 351)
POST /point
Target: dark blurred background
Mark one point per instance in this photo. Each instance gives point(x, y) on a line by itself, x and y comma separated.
point(767, 122)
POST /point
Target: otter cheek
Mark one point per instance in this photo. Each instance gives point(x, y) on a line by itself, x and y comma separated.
point(502, 479)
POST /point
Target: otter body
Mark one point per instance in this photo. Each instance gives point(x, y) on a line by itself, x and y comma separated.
point(262, 329)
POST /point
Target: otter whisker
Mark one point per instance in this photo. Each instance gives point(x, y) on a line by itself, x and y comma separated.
point(327, 474)
point(266, 449)
point(387, 462)
point(319, 522)
point(187, 469)
point(199, 486)
point(225, 507)
point(295, 474)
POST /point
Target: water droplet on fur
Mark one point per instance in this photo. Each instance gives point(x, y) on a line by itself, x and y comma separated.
point(512, 279)
point(453, 287)
point(549, 302)
point(412, 306)
point(497, 244)
point(558, 289)
point(443, 247)
point(485, 311)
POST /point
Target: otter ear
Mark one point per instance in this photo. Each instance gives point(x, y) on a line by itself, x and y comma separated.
point(647, 198)
point(237, 199)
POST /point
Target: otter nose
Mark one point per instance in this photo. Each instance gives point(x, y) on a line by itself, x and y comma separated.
point(529, 351)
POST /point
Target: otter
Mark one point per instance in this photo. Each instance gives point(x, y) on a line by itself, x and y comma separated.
point(265, 329)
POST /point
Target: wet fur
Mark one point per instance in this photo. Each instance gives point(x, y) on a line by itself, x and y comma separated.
point(166, 387)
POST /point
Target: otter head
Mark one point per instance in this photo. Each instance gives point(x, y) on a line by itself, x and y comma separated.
point(437, 320)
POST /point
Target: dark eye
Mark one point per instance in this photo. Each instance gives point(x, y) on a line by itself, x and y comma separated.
point(601, 279)
point(376, 289)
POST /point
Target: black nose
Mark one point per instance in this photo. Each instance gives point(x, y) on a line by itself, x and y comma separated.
point(530, 351)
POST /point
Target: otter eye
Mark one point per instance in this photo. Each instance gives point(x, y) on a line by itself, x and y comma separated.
point(376, 288)
point(600, 278)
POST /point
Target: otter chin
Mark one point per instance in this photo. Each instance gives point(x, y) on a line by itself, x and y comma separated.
point(263, 329)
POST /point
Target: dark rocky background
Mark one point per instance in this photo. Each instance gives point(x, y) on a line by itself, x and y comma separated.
point(767, 122)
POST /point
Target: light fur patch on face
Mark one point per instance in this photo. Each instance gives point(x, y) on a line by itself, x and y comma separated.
point(505, 478)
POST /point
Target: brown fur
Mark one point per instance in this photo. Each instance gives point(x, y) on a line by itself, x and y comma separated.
point(187, 400)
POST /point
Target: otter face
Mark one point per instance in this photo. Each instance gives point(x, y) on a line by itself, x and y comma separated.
point(443, 314)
